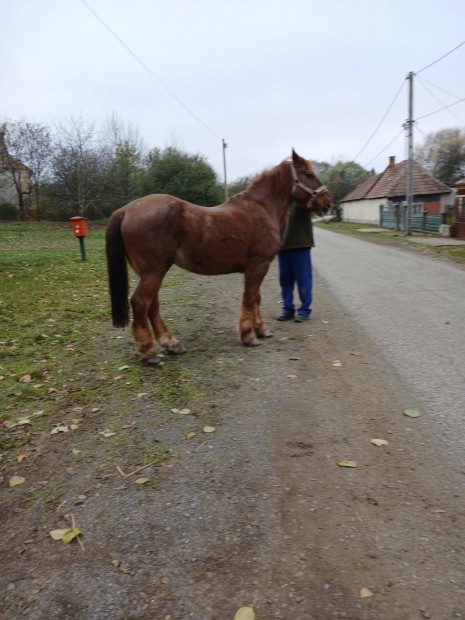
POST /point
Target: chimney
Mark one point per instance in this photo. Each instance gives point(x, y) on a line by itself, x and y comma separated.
point(392, 161)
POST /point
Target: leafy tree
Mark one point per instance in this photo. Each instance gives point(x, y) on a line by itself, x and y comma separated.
point(443, 154)
point(26, 154)
point(186, 176)
point(342, 178)
point(123, 149)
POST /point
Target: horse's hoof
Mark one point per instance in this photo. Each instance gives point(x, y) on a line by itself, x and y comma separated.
point(265, 334)
point(151, 361)
point(253, 343)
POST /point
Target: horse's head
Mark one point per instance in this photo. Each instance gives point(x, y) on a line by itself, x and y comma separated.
point(307, 187)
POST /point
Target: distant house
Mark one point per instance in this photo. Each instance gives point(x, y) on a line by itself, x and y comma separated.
point(460, 209)
point(363, 203)
point(15, 178)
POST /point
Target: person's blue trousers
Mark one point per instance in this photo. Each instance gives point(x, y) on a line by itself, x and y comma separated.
point(295, 267)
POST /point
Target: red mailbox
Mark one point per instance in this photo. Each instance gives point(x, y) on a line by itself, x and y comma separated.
point(79, 225)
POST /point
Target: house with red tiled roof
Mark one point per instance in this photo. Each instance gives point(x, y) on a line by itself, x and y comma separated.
point(363, 203)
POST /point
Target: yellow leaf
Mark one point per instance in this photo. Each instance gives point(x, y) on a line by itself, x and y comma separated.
point(58, 534)
point(337, 363)
point(379, 442)
point(74, 427)
point(190, 435)
point(209, 429)
point(366, 593)
point(76, 451)
point(15, 480)
point(411, 413)
point(347, 463)
point(183, 411)
point(141, 480)
point(245, 613)
point(69, 535)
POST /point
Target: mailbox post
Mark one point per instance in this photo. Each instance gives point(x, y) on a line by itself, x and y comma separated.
point(79, 226)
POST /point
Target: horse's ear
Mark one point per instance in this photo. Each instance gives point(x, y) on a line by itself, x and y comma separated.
point(297, 159)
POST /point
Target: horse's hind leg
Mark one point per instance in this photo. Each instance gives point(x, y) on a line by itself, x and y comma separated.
point(141, 301)
point(162, 333)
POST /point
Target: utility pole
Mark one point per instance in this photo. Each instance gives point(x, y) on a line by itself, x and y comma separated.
point(409, 189)
point(225, 146)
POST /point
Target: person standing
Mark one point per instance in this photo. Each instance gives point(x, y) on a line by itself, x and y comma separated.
point(295, 263)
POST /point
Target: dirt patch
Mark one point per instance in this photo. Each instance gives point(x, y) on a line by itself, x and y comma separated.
point(257, 511)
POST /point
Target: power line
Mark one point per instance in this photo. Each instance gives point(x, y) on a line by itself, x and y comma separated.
point(444, 56)
point(155, 77)
point(386, 147)
point(380, 123)
point(437, 98)
point(440, 110)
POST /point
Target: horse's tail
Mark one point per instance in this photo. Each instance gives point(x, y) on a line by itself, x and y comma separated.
point(117, 272)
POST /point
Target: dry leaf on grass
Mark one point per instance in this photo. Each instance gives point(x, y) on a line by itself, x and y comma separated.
point(15, 480)
point(347, 463)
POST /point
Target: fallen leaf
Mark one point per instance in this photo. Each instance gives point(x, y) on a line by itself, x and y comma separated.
point(366, 593)
point(190, 435)
point(58, 534)
point(21, 456)
point(347, 463)
point(20, 422)
point(291, 376)
point(59, 429)
point(123, 367)
point(411, 413)
point(25, 379)
point(69, 535)
point(379, 442)
point(74, 427)
point(107, 433)
point(337, 363)
point(245, 613)
point(184, 411)
point(141, 480)
point(209, 429)
point(76, 451)
point(141, 394)
point(325, 322)
point(15, 480)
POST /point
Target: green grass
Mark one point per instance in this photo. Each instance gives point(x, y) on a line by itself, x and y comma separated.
point(394, 238)
point(61, 359)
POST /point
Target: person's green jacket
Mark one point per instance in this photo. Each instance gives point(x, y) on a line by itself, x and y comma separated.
point(297, 231)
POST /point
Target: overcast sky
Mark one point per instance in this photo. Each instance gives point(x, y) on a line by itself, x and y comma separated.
point(266, 76)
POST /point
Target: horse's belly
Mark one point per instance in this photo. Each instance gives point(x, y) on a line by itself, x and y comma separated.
point(208, 264)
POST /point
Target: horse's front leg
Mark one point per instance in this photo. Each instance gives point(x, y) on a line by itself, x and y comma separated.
point(251, 325)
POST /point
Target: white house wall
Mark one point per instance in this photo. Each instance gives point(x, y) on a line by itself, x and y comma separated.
point(362, 211)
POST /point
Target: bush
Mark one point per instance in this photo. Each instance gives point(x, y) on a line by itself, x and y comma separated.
point(8, 212)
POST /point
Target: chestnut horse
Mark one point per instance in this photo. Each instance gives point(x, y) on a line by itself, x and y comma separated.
point(241, 235)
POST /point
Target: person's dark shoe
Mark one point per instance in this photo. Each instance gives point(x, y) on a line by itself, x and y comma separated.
point(285, 317)
point(300, 318)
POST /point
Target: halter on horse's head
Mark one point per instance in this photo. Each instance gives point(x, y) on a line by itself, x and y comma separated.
point(317, 198)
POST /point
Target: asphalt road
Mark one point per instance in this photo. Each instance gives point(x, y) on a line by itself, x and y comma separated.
point(413, 307)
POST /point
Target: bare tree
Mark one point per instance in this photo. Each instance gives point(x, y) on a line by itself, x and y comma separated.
point(77, 164)
point(26, 151)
